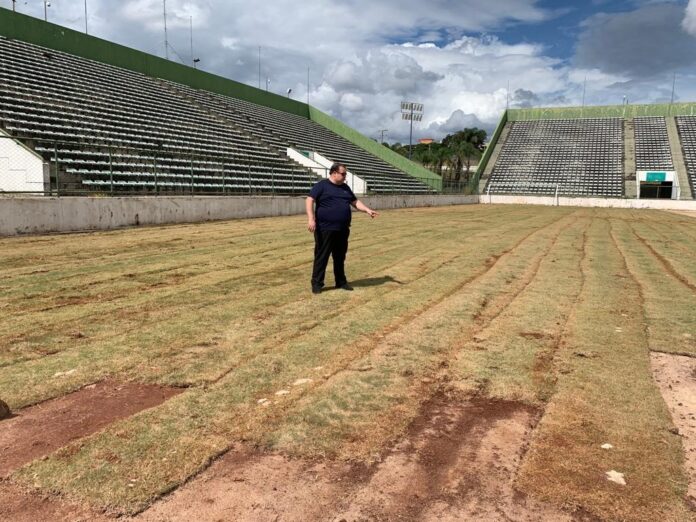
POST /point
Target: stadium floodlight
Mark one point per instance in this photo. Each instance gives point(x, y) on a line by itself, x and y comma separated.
point(47, 4)
point(411, 111)
point(382, 132)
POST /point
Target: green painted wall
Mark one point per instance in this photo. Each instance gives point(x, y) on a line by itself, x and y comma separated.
point(52, 36)
point(377, 149)
point(489, 149)
point(607, 111)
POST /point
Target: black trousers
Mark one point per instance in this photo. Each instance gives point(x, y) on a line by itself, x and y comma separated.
point(332, 243)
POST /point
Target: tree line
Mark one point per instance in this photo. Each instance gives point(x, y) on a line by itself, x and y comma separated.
point(453, 157)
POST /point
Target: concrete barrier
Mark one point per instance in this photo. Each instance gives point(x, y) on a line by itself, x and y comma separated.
point(36, 215)
point(657, 204)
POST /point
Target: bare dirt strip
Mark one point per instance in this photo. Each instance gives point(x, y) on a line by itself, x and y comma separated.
point(676, 377)
point(456, 462)
point(21, 505)
point(39, 430)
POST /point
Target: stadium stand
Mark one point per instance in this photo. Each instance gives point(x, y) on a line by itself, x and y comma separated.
point(686, 125)
point(652, 144)
point(108, 127)
point(573, 157)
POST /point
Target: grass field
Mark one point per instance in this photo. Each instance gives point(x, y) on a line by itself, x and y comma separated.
point(555, 308)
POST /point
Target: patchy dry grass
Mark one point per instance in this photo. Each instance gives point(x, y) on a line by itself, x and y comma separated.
point(552, 307)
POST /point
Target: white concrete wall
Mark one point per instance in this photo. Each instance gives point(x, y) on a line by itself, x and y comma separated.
point(658, 204)
point(33, 215)
point(306, 162)
point(356, 184)
point(21, 169)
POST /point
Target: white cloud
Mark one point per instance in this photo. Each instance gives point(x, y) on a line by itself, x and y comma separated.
point(689, 22)
point(365, 56)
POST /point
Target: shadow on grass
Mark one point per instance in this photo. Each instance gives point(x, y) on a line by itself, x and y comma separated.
point(374, 281)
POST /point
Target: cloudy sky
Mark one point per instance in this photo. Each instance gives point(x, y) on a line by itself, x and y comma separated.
point(464, 60)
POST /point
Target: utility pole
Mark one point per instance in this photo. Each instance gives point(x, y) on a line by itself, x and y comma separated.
point(166, 40)
point(193, 60)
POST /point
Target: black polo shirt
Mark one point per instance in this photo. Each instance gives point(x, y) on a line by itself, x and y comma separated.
point(333, 210)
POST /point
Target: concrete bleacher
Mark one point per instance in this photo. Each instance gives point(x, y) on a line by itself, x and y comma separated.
point(579, 157)
point(103, 126)
point(652, 147)
point(107, 126)
point(281, 129)
point(686, 126)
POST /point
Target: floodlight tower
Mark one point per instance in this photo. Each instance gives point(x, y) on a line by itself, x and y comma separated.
point(47, 4)
point(382, 132)
point(411, 111)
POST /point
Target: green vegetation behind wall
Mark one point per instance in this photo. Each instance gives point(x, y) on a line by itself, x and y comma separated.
point(607, 111)
point(377, 149)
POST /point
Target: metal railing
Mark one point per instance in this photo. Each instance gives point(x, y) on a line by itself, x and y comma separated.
point(78, 168)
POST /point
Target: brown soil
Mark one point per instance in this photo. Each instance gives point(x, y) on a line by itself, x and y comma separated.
point(457, 462)
point(18, 505)
point(39, 430)
point(676, 377)
point(690, 213)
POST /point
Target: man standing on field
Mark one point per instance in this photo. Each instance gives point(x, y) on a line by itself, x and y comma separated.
point(331, 225)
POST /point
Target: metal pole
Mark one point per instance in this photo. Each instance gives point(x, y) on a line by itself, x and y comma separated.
point(166, 41)
point(45, 10)
point(154, 169)
point(86, 31)
point(410, 136)
point(193, 60)
point(259, 66)
point(584, 87)
point(55, 159)
point(111, 172)
point(671, 100)
point(308, 85)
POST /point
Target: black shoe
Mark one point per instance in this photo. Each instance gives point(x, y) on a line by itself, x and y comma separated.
point(316, 290)
point(345, 286)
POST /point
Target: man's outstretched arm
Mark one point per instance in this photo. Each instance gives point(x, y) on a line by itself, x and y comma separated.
point(311, 219)
point(364, 208)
